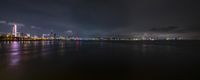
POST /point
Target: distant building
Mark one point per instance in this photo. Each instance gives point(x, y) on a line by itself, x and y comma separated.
point(14, 30)
point(45, 35)
point(54, 36)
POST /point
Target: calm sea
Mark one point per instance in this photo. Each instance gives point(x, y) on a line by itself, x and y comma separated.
point(99, 60)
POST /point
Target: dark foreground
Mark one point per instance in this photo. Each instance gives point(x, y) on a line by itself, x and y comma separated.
point(100, 60)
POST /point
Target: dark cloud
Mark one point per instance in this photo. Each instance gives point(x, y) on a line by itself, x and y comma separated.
point(177, 29)
point(3, 22)
point(165, 29)
point(190, 29)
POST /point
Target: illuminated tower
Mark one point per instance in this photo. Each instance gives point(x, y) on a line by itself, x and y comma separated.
point(14, 30)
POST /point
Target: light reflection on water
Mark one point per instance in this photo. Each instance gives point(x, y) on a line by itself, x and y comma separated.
point(37, 49)
point(14, 55)
point(22, 51)
point(77, 45)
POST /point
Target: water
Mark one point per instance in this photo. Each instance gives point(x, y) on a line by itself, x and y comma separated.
point(99, 60)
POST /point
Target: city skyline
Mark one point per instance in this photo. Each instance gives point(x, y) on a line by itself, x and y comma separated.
point(15, 34)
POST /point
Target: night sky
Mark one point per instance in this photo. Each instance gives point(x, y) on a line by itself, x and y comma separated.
point(101, 16)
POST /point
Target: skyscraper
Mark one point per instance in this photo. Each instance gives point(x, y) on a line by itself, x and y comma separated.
point(14, 30)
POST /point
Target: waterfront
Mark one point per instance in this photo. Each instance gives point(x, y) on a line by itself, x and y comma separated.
point(99, 60)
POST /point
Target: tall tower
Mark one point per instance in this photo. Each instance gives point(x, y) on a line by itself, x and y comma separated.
point(14, 30)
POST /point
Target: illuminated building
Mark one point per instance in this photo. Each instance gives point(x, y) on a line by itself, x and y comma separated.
point(14, 30)
point(45, 35)
point(52, 35)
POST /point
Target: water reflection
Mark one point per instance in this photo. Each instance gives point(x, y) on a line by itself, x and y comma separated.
point(77, 43)
point(15, 53)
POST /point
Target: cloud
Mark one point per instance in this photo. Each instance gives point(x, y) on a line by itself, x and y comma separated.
point(18, 24)
point(3, 22)
point(165, 29)
point(34, 27)
point(190, 29)
point(176, 29)
point(69, 31)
